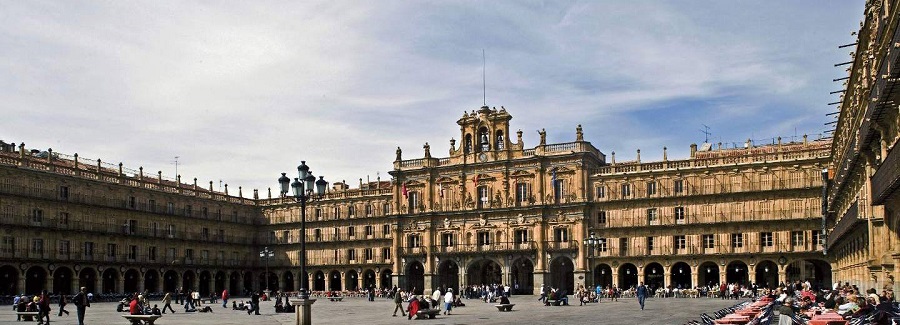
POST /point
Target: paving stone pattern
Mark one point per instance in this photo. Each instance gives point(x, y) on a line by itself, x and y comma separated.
point(528, 310)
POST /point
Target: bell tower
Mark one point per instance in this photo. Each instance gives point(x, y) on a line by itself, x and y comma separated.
point(484, 135)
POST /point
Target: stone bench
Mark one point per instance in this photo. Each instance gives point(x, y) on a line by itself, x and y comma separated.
point(505, 307)
point(553, 302)
point(336, 298)
point(427, 313)
point(31, 314)
point(141, 319)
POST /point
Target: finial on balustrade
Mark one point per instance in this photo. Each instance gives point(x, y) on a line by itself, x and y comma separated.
point(141, 173)
point(270, 193)
point(159, 176)
point(665, 154)
point(613, 158)
point(210, 186)
point(226, 189)
point(639, 156)
point(240, 192)
point(255, 194)
point(120, 169)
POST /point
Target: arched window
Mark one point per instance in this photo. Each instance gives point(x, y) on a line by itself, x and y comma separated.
point(483, 142)
point(468, 146)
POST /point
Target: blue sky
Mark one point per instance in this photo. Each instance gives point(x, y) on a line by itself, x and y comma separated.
point(242, 91)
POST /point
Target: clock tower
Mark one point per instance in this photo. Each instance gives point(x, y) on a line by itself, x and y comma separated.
point(484, 135)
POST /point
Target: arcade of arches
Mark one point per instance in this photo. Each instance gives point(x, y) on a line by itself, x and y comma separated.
point(67, 279)
point(765, 273)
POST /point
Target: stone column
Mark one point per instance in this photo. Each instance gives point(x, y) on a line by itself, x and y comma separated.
point(141, 283)
point(667, 279)
point(48, 283)
point(539, 278)
point(640, 277)
point(695, 276)
point(120, 284)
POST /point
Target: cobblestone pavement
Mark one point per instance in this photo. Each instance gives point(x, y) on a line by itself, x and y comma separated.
point(359, 311)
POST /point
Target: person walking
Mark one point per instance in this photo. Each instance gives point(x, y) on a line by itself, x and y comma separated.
point(448, 301)
point(398, 303)
point(167, 303)
point(641, 294)
point(62, 305)
point(254, 303)
point(543, 294)
point(44, 308)
point(225, 298)
point(81, 303)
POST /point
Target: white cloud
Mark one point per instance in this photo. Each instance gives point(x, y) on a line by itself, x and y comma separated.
point(243, 90)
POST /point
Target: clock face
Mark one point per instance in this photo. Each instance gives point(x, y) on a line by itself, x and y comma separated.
point(482, 157)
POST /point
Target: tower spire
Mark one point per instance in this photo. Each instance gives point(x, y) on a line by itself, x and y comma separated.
point(483, 79)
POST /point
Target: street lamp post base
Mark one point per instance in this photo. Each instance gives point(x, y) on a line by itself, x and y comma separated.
point(303, 310)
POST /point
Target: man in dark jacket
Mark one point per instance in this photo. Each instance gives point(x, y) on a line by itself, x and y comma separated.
point(254, 303)
point(81, 303)
point(641, 294)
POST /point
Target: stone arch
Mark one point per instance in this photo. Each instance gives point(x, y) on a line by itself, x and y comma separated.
point(203, 286)
point(386, 280)
point(628, 276)
point(737, 272)
point(170, 281)
point(87, 278)
point(522, 272)
point(220, 280)
point(110, 278)
point(334, 280)
point(681, 276)
point(9, 280)
point(603, 275)
point(817, 272)
point(188, 280)
point(654, 276)
point(234, 283)
point(415, 277)
point(62, 280)
point(766, 274)
point(708, 274)
point(448, 274)
point(151, 280)
point(351, 280)
point(562, 273)
point(288, 277)
point(368, 279)
point(35, 279)
point(484, 271)
point(132, 279)
point(319, 281)
point(271, 282)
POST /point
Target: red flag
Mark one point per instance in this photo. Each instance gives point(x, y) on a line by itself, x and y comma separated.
point(405, 192)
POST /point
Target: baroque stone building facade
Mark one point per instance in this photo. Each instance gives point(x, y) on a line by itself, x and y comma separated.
point(492, 211)
point(863, 201)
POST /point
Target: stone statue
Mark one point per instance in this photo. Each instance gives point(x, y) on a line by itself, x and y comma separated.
point(543, 134)
point(399, 152)
point(579, 136)
point(427, 150)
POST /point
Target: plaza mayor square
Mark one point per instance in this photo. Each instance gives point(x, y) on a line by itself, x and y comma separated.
point(450, 162)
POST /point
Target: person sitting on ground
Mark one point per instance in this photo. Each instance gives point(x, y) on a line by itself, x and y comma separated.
point(504, 300)
point(457, 302)
point(234, 305)
point(156, 311)
point(206, 309)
